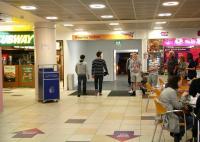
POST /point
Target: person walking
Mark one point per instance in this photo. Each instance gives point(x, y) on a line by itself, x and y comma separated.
point(128, 69)
point(82, 72)
point(99, 70)
point(135, 69)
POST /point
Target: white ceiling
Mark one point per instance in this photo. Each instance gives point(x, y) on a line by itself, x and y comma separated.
point(132, 14)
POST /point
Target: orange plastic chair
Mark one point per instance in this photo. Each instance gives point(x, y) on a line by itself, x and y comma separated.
point(157, 92)
point(150, 94)
point(161, 110)
point(162, 83)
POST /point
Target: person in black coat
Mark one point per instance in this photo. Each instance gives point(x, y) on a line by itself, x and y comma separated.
point(193, 91)
point(191, 67)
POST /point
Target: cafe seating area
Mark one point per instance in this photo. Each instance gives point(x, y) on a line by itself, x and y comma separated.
point(88, 118)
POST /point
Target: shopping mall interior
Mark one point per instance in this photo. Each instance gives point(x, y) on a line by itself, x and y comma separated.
point(41, 43)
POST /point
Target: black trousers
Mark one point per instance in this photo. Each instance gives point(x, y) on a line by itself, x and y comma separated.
point(98, 80)
point(129, 77)
point(82, 78)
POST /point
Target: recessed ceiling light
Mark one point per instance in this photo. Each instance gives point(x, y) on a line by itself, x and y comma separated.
point(161, 22)
point(79, 29)
point(114, 24)
point(158, 28)
point(107, 16)
point(97, 6)
point(117, 29)
point(28, 7)
point(164, 14)
point(82, 33)
point(51, 18)
point(68, 25)
point(171, 3)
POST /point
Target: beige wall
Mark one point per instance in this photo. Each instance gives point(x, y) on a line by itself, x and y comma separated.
point(1, 84)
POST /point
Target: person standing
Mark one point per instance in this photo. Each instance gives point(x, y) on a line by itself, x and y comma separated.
point(135, 71)
point(128, 69)
point(172, 64)
point(182, 65)
point(153, 71)
point(192, 73)
point(99, 70)
point(82, 72)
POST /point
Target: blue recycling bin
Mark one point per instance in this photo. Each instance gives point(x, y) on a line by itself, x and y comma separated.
point(49, 83)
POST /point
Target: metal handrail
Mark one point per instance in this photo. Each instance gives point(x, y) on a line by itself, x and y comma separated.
point(195, 116)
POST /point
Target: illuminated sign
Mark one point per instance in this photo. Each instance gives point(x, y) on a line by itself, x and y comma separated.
point(17, 38)
point(103, 36)
point(181, 42)
point(164, 33)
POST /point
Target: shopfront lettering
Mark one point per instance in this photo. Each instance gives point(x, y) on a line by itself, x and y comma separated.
point(16, 39)
point(181, 42)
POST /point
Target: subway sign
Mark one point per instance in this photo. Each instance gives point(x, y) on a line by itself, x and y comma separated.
point(17, 38)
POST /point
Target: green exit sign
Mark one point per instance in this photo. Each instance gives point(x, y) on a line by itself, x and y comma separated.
point(118, 43)
point(17, 38)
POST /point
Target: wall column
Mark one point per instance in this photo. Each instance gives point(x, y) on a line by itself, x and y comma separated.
point(144, 52)
point(1, 83)
point(45, 47)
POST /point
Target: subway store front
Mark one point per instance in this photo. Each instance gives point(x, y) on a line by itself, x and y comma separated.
point(17, 50)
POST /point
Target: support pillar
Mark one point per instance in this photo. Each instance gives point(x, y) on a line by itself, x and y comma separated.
point(45, 47)
point(1, 83)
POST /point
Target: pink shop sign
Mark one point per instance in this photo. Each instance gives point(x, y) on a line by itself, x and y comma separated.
point(181, 42)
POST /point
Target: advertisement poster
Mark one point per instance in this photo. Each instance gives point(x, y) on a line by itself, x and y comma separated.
point(27, 75)
point(9, 73)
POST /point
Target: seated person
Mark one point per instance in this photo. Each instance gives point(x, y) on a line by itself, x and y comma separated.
point(193, 91)
point(170, 100)
point(143, 83)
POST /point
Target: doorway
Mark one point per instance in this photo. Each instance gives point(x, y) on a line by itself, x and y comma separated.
point(120, 58)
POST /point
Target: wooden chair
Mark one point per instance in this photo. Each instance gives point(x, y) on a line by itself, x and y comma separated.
point(160, 111)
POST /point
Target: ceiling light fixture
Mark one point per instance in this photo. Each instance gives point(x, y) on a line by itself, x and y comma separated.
point(171, 3)
point(82, 33)
point(107, 16)
point(52, 18)
point(117, 29)
point(79, 30)
point(68, 25)
point(26, 7)
point(164, 14)
point(97, 6)
point(164, 22)
point(158, 28)
point(114, 24)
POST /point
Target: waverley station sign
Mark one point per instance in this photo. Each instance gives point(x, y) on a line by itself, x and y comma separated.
point(17, 38)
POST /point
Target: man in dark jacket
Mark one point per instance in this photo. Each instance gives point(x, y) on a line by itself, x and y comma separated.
point(99, 69)
point(128, 69)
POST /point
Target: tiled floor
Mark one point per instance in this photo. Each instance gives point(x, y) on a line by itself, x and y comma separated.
point(73, 119)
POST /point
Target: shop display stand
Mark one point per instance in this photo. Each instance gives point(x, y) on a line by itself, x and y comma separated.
point(49, 83)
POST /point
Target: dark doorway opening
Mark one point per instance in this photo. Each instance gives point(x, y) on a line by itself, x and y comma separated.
point(121, 59)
